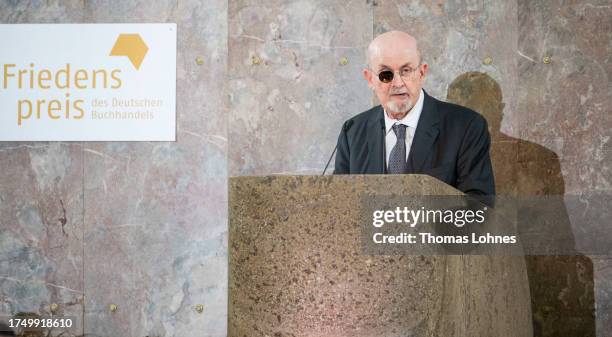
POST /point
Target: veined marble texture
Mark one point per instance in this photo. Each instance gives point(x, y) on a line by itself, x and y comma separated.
point(41, 206)
point(41, 237)
point(295, 77)
point(144, 225)
point(564, 106)
point(146, 222)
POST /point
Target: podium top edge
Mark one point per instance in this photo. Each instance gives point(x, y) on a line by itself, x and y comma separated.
point(384, 179)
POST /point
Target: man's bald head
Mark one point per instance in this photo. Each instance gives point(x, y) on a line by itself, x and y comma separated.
point(392, 42)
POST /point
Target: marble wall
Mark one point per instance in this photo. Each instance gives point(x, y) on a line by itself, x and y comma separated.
point(144, 225)
point(287, 60)
point(564, 96)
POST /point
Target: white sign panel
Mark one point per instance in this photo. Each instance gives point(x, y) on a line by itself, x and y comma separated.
point(88, 82)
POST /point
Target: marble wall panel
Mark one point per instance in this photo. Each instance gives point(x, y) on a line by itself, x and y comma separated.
point(155, 240)
point(41, 205)
point(41, 236)
point(295, 77)
point(564, 105)
point(603, 291)
point(41, 11)
point(155, 213)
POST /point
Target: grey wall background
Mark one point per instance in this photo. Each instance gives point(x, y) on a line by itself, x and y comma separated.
point(144, 225)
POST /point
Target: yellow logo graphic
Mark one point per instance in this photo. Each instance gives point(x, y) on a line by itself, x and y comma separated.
point(132, 46)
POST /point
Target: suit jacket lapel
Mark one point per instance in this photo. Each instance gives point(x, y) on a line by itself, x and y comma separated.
point(375, 134)
point(425, 136)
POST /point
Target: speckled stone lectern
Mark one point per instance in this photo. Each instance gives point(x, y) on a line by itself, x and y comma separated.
point(296, 268)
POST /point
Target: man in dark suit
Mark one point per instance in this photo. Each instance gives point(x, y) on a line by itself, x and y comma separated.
point(412, 132)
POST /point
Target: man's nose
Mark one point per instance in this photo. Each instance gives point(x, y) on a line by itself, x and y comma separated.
point(397, 82)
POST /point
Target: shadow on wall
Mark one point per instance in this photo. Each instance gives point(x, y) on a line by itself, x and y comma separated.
point(561, 287)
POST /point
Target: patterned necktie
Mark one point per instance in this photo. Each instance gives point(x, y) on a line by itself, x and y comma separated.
point(397, 159)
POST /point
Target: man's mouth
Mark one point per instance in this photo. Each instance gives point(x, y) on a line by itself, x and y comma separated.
point(402, 95)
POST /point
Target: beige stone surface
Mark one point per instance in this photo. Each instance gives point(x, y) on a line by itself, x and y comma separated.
point(297, 267)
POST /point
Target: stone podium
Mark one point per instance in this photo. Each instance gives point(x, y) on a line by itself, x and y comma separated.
point(296, 268)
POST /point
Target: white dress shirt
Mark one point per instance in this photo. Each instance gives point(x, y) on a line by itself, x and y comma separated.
point(411, 120)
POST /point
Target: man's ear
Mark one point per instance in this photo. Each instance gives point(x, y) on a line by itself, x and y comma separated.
point(423, 69)
point(367, 74)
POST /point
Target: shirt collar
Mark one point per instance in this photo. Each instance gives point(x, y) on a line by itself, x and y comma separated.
point(412, 117)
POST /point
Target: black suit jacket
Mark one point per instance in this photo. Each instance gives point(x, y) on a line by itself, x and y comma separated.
point(451, 143)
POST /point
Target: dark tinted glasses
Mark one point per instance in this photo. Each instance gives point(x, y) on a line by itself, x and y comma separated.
point(386, 76)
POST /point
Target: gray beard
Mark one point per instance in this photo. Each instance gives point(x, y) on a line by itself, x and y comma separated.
point(400, 108)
